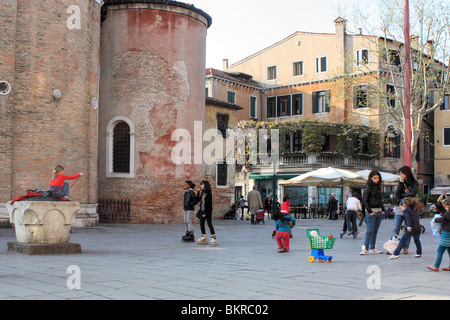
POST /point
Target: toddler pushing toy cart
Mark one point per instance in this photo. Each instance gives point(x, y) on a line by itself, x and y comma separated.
point(318, 244)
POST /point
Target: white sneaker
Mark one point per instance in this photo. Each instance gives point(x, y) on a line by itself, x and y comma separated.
point(417, 255)
point(364, 250)
point(393, 257)
point(375, 251)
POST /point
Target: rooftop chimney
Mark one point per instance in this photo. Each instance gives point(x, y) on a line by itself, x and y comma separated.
point(225, 65)
point(415, 42)
point(430, 47)
point(340, 24)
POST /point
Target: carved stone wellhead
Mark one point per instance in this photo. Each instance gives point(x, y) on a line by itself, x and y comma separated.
point(43, 226)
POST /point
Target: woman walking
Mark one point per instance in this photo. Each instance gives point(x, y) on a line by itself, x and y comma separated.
point(406, 188)
point(204, 196)
point(373, 202)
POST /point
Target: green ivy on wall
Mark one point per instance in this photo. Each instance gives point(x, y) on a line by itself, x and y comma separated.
point(313, 135)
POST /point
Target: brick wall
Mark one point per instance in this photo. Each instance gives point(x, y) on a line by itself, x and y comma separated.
point(47, 56)
point(152, 64)
point(7, 50)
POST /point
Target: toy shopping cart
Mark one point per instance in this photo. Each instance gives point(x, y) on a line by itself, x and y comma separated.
point(318, 244)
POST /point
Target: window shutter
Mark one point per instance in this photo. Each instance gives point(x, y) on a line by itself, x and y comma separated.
point(397, 146)
point(315, 107)
point(323, 64)
point(253, 107)
point(327, 101)
point(301, 104)
point(355, 96)
point(386, 153)
point(446, 99)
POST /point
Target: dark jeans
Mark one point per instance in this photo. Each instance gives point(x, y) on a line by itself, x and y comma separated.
point(333, 214)
point(350, 218)
point(208, 220)
point(64, 192)
point(406, 238)
point(242, 211)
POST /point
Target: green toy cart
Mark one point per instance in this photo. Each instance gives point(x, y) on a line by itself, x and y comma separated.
point(318, 243)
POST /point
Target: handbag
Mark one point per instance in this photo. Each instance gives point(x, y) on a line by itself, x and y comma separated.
point(199, 214)
point(391, 245)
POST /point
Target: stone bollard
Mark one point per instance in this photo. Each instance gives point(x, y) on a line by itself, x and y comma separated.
point(43, 227)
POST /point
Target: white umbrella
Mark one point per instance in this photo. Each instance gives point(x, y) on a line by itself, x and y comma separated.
point(325, 177)
point(387, 178)
point(440, 190)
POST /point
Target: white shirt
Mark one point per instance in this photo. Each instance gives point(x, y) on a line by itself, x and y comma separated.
point(353, 204)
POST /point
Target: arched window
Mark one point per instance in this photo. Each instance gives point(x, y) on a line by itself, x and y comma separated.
point(120, 148)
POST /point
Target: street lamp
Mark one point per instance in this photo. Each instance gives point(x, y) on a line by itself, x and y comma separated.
point(275, 152)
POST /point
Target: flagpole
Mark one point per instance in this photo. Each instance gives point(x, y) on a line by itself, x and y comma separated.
point(408, 129)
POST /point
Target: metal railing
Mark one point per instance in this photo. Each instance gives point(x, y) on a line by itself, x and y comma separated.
point(111, 211)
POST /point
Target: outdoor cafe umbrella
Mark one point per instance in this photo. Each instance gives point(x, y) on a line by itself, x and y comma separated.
point(387, 178)
point(325, 177)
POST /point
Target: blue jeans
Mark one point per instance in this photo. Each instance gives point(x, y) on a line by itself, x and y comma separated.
point(333, 214)
point(440, 253)
point(398, 221)
point(406, 238)
point(64, 192)
point(373, 224)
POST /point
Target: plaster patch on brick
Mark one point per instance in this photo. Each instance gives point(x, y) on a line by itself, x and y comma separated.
point(181, 83)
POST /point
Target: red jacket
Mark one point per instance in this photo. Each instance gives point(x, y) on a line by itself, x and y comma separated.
point(59, 181)
point(285, 207)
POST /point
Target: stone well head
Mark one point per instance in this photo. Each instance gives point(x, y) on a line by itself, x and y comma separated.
point(43, 222)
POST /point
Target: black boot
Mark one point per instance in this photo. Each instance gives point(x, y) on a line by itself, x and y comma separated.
point(189, 237)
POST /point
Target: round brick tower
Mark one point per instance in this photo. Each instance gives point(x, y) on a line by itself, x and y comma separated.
point(50, 59)
point(152, 83)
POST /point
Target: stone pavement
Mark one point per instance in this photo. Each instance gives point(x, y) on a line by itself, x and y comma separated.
point(150, 262)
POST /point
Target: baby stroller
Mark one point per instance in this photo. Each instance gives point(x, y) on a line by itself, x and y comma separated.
point(231, 214)
point(259, 216)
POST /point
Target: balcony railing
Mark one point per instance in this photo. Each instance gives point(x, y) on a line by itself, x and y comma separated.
point(321, 160)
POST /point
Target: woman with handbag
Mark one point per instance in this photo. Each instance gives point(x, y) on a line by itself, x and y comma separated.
point(204, 196)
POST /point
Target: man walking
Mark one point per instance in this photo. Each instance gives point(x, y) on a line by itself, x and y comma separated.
point(254, 202)
point(333, 206)
point(353, 206)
